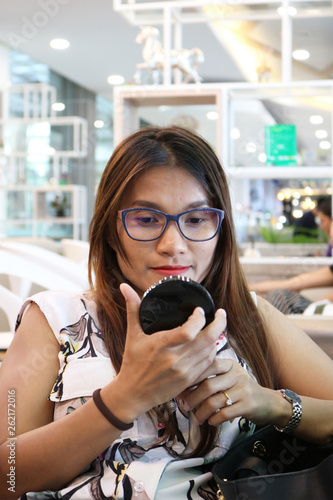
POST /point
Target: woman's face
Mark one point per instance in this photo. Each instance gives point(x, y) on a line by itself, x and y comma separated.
point(324, 222)
point(171, 190)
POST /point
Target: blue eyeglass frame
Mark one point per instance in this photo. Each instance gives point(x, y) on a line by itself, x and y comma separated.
point(220, 213)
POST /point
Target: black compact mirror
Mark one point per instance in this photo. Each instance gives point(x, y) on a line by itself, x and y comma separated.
point(171, 301)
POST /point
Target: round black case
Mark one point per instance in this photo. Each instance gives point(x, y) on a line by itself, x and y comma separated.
point(169, 303)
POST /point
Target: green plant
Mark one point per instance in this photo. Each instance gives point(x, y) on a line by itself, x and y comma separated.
point(286, 235)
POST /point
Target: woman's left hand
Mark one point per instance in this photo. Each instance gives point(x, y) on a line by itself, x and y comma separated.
point(226, 379)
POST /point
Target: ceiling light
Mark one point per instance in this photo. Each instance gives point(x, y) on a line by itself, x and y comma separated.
point(234, 133)
point(262, 157)
point(297, 214)
point(316, 119)
point(325, 145)
point(58, 106)
point(321, 134)
point(292, 11)
point(59, 43)
point(212, 115)
point(116, 79)
point(301, 54)
point(251, 147)
point(98, 124)
point(308, 204)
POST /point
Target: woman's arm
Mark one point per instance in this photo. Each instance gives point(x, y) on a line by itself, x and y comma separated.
point(39, 445)
point(154, 370)
point(318, 278)
point(300, 366)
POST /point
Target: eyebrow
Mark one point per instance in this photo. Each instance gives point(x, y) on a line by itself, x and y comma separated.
point(156, 206)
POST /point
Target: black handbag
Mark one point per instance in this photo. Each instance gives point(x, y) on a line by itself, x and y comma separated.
point(270, 465)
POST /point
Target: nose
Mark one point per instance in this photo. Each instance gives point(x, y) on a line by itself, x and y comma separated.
point(172, 241)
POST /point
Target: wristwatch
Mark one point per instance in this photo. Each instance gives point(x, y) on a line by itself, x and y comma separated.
point(296, 416)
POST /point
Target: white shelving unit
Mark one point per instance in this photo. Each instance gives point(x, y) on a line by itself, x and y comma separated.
point(35, 214)
point(129, 100)
point(136, 105)
point(26, 116)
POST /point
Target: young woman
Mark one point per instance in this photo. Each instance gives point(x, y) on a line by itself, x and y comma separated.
point(286, 294)
point(323, 213)
point(170, 403)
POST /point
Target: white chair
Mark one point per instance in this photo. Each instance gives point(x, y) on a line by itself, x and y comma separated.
point(51, 261)
point(38, 241)
point(76, 250)
point(10, 304)
point(316, 293)
point(22, 273)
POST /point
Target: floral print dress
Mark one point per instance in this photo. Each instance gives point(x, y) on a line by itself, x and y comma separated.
point(139, 465)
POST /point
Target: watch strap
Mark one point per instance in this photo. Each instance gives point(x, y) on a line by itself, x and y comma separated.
point(295, 417)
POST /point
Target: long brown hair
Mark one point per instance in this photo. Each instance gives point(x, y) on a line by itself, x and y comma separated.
point(173, 146)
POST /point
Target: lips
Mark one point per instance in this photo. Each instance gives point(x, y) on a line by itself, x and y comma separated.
point(171, 270)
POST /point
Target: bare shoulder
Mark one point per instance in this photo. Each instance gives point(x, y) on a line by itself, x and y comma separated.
point(301, 365)
point(29, 371)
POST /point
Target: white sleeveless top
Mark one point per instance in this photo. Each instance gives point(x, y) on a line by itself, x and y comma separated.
point(134, 465)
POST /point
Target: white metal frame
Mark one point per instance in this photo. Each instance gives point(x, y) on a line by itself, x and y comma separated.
point(170, 13)
point(127, 99)
point(38, 99)
point(78, 217)
point(80, 134)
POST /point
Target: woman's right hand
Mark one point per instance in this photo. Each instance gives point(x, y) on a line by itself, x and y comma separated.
point(156, 368)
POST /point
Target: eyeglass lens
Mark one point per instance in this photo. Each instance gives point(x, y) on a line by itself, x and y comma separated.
point(196, 225)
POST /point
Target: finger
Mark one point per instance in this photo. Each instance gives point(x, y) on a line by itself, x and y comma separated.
point(218, 408)
point(195, 324)
point(187, 332)
point(132, 300)
point(216, 327)
point(218, 367)
point(221, 313)
point(213, 388)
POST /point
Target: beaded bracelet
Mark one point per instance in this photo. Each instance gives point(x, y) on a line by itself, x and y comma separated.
point(122, 426)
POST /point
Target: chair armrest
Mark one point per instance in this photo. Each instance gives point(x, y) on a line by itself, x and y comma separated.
point(317, 293)
point(319, 328)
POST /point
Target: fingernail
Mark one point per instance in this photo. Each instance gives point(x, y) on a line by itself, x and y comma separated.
point(199, 309)
point(221, 312)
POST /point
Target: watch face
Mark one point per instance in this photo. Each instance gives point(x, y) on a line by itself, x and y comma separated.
point(293, 396)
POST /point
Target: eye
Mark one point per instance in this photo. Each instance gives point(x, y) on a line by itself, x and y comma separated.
point(197, 218)
point(146, 221)
point(144, 218)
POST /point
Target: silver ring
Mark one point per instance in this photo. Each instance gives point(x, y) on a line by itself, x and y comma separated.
point(229, 400)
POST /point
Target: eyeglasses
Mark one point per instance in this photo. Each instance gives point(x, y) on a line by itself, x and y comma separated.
point(146, 224)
